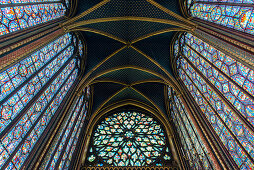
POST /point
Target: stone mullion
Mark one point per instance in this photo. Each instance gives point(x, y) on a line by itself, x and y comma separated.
point(221, 96)
point(187, 147)
point(12, 58)
point(175, 139)
point(200, 144)
point(221, 72)
point(33, 157)
point(62, 134)
point(219, 117)
point(238, 45)
point(71, 131)
point(53, 132)
point(203, 136)
point(206, 132)
point(35, 123)
point(30, 103)
point(32, 76)
point(77, 157)
point(193, 145)
point(71, 146)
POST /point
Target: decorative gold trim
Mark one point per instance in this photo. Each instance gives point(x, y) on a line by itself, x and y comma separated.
point(171, 167)
point(171, 78)
point(171, 13)
point(157, 33)
point(85, 13)
point(124, 84)
point(129, 18)
point(99, 32)
point(108, 81)
point(85, 82)
point(148, 81)
point(99, 64)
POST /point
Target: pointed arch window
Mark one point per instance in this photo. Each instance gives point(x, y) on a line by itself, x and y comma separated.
point(223, 89)
point(129, 139)
point(196, 152)
point(237, 14)
point(61, 152)
point(20, 14)
point(31, 91)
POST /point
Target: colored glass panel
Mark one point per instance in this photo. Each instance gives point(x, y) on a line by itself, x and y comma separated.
point(239, 17)
point(67, 156)
point(17, 102)
point(218, 124)
point(68, 135)
point(128, 139)
point(32, 138)
point(239, 73)
point(66, 132)
point(23, 1)
point(80, 47)
point(204, 69)
point(23, 70)
point(36, 118)
point(15, 18)
point(193, 146)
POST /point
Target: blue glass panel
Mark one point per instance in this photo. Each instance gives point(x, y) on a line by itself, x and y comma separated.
point(239, 17)
point(20, 156)
point(190, 137)
point(66, 131)
point(29, 90)
point(32, 116)
point(15, 18)
point(224, 74)
point(17, 74)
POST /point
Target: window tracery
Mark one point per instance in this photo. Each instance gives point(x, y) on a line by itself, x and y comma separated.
point(237, 14)
point(196, 152)
point(128, 139)
point(20, 14)
point(61, 152)
point(31, 92)
point(222, 87)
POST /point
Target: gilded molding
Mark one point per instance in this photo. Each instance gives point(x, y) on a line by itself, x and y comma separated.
point(172, 13)
point(130, 18)
point(98, 32)
point(85, 13)
point(12, 58)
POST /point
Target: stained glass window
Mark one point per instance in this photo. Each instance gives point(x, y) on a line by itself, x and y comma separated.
point(31, 93)
point(128, 139)
point(60, 154)
point(223, 89)
point(193, 146)
point(236, 14)
point(19, 14)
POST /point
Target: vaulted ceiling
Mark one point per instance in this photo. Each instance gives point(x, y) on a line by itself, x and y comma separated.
point(128, 49)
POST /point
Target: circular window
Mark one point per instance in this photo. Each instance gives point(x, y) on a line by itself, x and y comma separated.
point(128, 139)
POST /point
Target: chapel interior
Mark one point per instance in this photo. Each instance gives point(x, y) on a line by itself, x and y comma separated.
point(127, 84)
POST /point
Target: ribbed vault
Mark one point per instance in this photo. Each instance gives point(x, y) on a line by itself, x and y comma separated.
point(128, 51)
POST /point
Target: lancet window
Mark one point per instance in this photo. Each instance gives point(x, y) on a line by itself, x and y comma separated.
point(223, 89)
point(31, 93)
point(195, 150)
point(235, 14)
point(61, 152)
point(20, 14)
